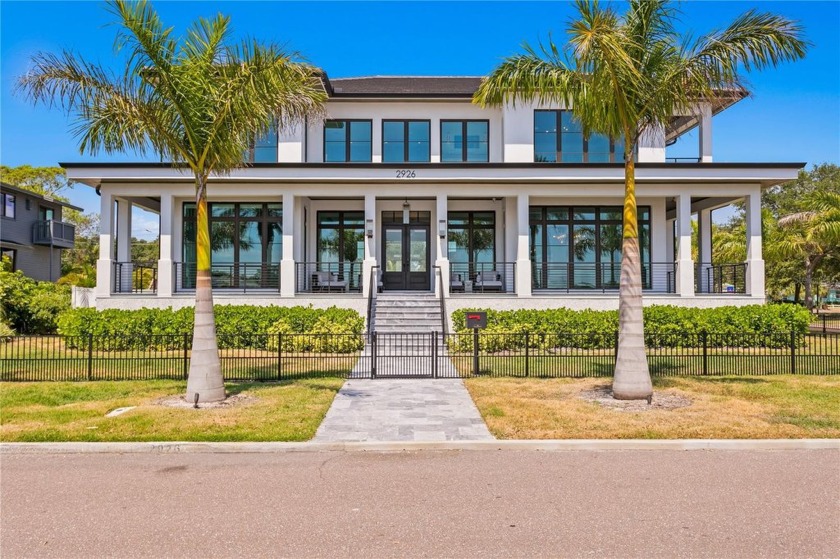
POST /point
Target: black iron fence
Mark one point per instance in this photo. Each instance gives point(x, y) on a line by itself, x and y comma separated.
point(235, 276)
point(328, 277)
point(268, 357)
point(135, 277)
point(657, 277)
point(482, 277)
point(825, 322)
point(721, 278)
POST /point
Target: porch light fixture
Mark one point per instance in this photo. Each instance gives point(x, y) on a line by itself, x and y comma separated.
point(406, 210)
point(369, 227)
point(442, 228)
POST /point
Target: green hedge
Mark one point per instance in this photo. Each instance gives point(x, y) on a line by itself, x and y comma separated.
point(237, 326)
point(28, 306)
point(665, 326)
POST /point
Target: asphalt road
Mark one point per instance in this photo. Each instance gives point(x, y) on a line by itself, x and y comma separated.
point(423, 504)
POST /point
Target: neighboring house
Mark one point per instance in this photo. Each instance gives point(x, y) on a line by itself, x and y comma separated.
point(32, 234)
point(408, 186)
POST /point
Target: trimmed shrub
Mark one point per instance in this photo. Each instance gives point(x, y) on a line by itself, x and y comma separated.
point(29, 306)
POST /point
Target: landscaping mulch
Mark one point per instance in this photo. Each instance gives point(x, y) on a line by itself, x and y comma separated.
point(661, 400)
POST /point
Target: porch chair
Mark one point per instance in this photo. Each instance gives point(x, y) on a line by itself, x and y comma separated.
point(327, 281)
point(456, 282)
point(488, 281)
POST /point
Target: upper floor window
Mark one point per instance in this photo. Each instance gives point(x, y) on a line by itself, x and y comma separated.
point(347, 141)
point(405, 141)
point(8, 206)
point(558, 137)
point(464, 140)
point(264, 148)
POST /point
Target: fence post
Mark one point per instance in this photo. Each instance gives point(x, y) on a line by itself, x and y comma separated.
point(434, 355)
point(90, 357)
point(280, 356)
point(705, 336)
point(475, 351)
point(373, 355)
point(823, 317)
point(527, 354)
point(793, 351)
point(186, 365)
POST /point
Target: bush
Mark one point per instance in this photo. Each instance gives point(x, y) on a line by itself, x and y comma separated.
point(665, 326)
point(29, 306)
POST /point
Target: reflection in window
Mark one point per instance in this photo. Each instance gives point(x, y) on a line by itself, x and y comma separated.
point(405, 141)
point(558, 137)
point(264, 148)
point(472, 237)
point(347, 141)
point(8, 206)
point(464, 141)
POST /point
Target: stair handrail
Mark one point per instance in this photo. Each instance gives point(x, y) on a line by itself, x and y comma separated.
point(442, 301)
point(373, 288)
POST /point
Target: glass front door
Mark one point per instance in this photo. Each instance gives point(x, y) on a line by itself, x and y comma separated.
point(405, 257)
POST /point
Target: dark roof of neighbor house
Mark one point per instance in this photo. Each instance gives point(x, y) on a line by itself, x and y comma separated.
point(23, 191)
point(403, 86)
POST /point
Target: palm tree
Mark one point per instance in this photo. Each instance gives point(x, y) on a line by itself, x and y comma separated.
point(624, 76)
point(198, 101)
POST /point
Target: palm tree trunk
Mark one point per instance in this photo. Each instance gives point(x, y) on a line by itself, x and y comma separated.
point(810, 266)
point(632, 377)
point(205, 378)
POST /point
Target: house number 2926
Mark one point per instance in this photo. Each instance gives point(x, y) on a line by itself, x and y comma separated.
point(405, 174)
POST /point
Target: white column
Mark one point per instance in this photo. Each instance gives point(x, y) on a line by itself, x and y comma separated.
point(704, 245)
point(685, 265)
point(165, 274)
point(523, 257)
point(705, 133)
point(442, 256)
point(755, 259)
point(124, 245)
point(287, 264)
point(370, 245)
point(652, 145)
point(104, 266)
point(669, 240)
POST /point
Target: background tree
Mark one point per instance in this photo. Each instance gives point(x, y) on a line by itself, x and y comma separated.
point(198, 101)
point(627, 75)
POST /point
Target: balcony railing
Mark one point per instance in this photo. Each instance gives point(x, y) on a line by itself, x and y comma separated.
point(482, 277)
point(657, 277)
point(721, 278)
point(135, 277)
point(235, 276)
point(683, 159)
point(328, 277)
point(53, 233)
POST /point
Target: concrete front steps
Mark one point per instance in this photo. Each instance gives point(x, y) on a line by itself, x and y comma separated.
point(406, 312)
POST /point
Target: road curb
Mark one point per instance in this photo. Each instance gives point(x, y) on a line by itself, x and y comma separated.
point(398, 446)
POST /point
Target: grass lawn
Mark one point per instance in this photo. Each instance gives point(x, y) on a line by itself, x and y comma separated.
point(75, 411)
point(762, 407)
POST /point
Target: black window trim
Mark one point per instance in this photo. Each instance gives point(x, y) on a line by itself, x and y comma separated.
point(341, 227)
point(14, 198)
point(464, 136)
point(406, 122)
point(4, 251)
point(252, 147)
point(470, 227)
point(558, 143)
point(263, 219)
point(347, 139)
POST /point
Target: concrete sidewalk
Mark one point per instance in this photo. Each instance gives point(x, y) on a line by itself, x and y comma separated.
point(403, 410)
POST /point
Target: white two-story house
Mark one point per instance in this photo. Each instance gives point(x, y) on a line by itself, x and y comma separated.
point(409, 186)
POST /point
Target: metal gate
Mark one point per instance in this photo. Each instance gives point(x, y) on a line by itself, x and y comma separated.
point(405, 355)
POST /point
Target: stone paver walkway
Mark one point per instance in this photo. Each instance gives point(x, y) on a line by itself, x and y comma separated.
point(403, 410)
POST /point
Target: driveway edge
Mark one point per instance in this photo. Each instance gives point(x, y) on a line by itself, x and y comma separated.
point(397, 446)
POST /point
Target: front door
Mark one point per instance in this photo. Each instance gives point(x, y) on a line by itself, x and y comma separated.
point(405, 257)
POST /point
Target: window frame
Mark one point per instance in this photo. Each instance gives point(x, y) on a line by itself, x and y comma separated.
point(471, 227)
point(464, 141)
point(340, 227)
point(5, 196)
point(252, 148)
point(558, 140)
point(347, 134)
point(406, 141)
point(264, 219)
point(13, 257)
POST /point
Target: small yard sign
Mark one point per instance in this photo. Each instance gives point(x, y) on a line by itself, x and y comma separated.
point(476, 319)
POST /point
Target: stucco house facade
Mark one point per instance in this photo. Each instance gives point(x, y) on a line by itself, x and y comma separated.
point(409, 186)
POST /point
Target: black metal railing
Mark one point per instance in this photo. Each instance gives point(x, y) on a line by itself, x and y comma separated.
point(657, 277)
point(683, 159)
point(373, 282)
point(482, 277)
point(825, 322)
point(269, 357)
point(328, 277)
point(720, 278)
point(442, 299)
point(236, 276)
point(52, 232)
point(135, 277)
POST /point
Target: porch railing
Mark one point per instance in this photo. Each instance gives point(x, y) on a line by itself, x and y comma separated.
point(721, 278)
point(657, 277)
point(236, 276)
point(328, 277)
point(55, 233)
point(482, 277)
point(135, 277)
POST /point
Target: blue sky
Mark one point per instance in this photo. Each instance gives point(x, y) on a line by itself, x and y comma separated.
point(793, 115)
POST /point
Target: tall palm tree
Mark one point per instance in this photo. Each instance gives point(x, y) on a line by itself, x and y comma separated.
point(627, 75)
point(197, 101)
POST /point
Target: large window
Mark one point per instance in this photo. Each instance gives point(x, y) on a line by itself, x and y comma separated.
point(246, 233)
point(472, 237)
point(341, 236)
point(464, 141)
point(558, 137)
point(347, 141)
point(405, 141)
point(580, 246)
point(8, 207)
point(264, 148)
point(9, 254)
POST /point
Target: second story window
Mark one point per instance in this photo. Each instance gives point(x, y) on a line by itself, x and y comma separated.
point(558, 137)
point(405, 141)
point(347, 141)
point(8, 208)
point(464, 141)
point(264, 148)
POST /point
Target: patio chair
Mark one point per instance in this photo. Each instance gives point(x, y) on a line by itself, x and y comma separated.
point(456, 282)
point(488, 281)
point(327, 281)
